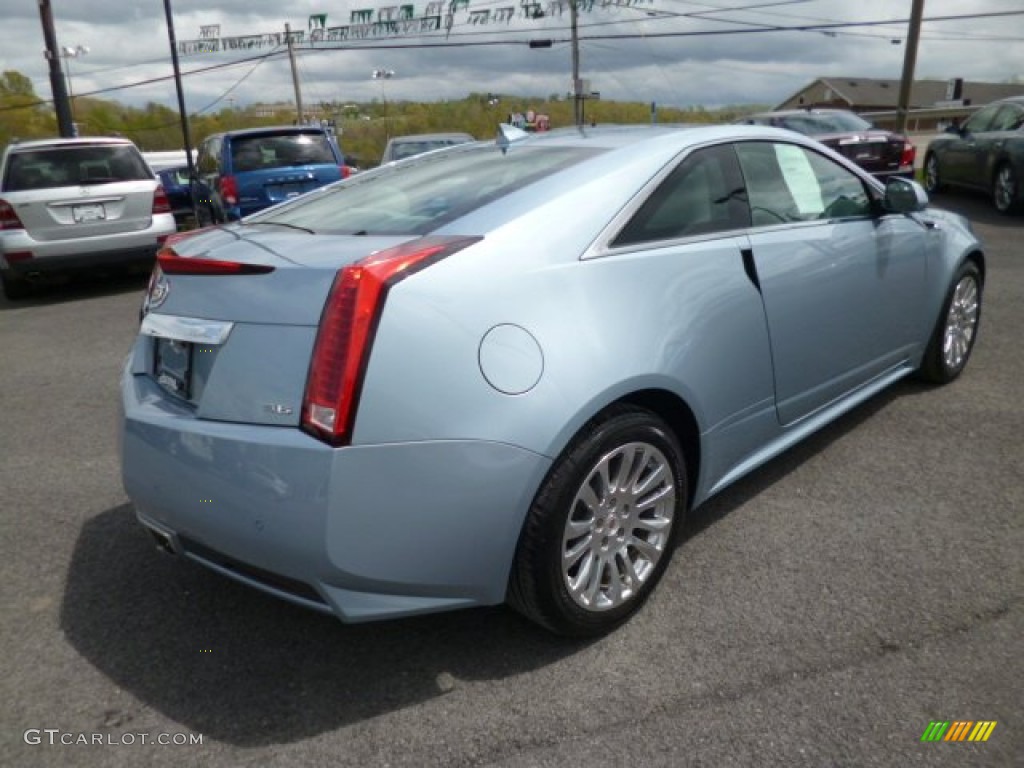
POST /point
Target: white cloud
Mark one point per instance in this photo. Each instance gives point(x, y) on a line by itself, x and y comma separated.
point(130, 44)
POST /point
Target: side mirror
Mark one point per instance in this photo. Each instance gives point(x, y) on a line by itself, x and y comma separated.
point(905, 196)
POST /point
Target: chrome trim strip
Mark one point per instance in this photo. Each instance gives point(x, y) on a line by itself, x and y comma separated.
point(193, 329)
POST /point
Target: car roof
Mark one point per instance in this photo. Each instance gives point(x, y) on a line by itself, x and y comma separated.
point(683, 134)
point(807, 111)
point(271, 129)
point(432, 137)
point(90, 141)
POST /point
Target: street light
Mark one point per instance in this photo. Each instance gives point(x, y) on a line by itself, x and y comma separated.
point(67, 53)
point(384, 74)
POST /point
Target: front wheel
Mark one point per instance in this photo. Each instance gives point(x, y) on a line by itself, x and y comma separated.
point(932, 182)
point(15, 288)
point(955, 333)
point(1004, 190)
point(600, 531)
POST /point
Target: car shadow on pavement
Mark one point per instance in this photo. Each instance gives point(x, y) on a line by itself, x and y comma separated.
point(251, 670)
point(767, 475)
point(241, 667)
point(59, 290)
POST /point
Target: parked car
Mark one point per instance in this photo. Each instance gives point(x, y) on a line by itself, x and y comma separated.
point(175, 182)
point(76, 204)
point(986, 153)
point(882, 153)
point(505, 371)
point(248, 170)
point(401, 147)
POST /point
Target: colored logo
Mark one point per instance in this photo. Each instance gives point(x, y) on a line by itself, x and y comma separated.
point(958, 730)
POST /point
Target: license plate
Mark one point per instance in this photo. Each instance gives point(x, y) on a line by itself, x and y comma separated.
point(90, 212)
point(173, 366)
point(289, 190)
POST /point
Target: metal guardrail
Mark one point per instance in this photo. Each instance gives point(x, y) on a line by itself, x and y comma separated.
point(924, 120)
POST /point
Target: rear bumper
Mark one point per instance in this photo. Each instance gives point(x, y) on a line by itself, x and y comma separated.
point(144, 255)
point(364, 532)
point(904, 172)
point(59, 255)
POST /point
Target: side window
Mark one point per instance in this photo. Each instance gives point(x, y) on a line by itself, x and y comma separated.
point(207, 160)
point(981, 120)
point(788, 183)
point(1017, 117)
point(1009, 118)
point(702, 195)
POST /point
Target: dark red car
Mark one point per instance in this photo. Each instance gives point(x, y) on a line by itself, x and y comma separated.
point(880, 152)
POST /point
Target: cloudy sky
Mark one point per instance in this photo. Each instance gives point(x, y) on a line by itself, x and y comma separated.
point(674, 52)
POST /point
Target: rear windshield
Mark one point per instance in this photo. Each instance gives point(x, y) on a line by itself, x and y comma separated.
point(403, 149)
point(811, 125)
point(418, 196)
point(254, 153)
point(66, 166)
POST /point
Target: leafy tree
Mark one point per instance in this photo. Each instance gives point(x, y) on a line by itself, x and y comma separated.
point(22, 115)
point(364, 128)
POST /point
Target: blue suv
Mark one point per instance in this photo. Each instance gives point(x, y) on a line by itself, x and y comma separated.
point(242, 172)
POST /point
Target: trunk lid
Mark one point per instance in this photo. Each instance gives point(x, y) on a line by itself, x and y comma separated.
point(292, 294)
point(874, 151)
point(237, 348)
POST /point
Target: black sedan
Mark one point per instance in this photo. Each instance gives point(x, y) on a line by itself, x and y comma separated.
point(879, 152)
point(986, 153)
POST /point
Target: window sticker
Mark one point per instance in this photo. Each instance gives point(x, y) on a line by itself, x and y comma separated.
point(800, 179)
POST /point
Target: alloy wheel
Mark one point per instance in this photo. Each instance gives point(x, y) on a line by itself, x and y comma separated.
point(618, 527)
point(961, 323)
point(1004, 189)
point(931, 174)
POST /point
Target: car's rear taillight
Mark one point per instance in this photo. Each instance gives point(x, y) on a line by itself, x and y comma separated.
point(8, 217)
point(172, 263)
point(908, 154)
point(345, 171)
point(347, 326)
point(229, 190)
point(160, 202)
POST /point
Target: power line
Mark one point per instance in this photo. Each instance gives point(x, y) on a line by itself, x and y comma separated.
point(490, 43)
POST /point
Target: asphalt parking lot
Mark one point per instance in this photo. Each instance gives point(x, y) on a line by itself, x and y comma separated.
point(821, 612)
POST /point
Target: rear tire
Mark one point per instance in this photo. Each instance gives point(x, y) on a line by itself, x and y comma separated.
point(956, 330)
point(1004, 190)
point(206, 216)
point(15, 287)
point(601, 529)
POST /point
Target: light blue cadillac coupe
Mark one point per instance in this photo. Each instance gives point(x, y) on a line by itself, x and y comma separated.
point(504, 371)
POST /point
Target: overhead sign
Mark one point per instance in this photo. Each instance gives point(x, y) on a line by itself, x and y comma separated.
point(393, 21)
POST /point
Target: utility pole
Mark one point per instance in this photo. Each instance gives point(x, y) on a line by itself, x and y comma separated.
point(577, 112)
point(295, 72)
point(60, 94)
point(185, 134)
point(909, 60)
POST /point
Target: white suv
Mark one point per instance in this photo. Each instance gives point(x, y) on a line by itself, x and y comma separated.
point(72, 203)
